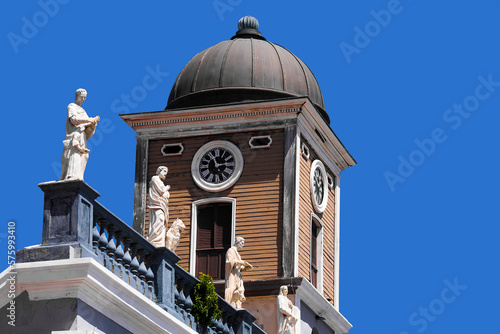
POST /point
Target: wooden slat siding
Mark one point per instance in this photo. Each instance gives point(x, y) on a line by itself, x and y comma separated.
point(328, 221)
point(258, 195)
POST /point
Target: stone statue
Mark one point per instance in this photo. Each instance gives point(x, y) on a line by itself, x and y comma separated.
point(288, 314)
point(79, 128)
point(174, 234)
point(234, 293)
point(158, 207)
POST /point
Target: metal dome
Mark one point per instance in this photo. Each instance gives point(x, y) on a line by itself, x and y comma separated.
point(245, 68)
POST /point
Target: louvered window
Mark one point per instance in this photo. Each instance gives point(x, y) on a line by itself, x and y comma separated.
point(314, 254)
point(213, 238)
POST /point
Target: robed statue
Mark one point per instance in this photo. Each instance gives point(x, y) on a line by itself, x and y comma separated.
point(158, 207)
point(79, 128)
point(234, 292)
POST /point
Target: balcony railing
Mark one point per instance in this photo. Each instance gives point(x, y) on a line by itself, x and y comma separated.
point(73, 218)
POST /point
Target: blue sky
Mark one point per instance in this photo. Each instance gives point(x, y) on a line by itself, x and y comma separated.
point(412, 89)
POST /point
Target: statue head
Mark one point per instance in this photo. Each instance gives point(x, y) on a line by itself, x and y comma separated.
point(179, 224)
point(80, 96)
point(284, 290)
point(239, 242)
point(162, 172)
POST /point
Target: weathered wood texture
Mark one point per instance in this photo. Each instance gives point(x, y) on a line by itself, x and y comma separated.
point(328, 221)
point(258, 195)
point(140, 184)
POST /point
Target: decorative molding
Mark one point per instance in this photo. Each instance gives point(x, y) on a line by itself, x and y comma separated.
point(305, 151)
point(194, 225)
point(216, 117)
point(320, 135)
point(332, 152)
point(307, 294)
point(95, 285)
point(257, 138)
point(331, 180)
point(172, 145)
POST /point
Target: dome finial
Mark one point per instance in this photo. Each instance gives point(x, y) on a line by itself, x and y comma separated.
point(248, 22)
point(248, 27)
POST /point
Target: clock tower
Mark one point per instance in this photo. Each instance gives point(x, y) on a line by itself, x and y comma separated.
point(250, 153)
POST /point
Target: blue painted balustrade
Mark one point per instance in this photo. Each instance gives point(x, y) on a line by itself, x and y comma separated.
point(74, 222)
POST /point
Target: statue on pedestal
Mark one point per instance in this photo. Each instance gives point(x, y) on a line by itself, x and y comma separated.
point(174, 234)
point(288, 314)
point(234, 292)
point(158, 207)
point(79, 128)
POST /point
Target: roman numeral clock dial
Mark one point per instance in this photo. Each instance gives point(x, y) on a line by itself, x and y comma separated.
point(217, 165)
point(319, 186)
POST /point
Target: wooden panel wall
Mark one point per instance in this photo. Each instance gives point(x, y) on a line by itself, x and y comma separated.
point(258, 195)
point(327, 219)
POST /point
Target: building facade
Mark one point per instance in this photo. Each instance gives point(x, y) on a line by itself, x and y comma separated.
point(250, 153)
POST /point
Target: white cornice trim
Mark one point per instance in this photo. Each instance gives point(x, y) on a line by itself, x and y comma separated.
point(332, 152)
point(228, 107)
point(206, 129)
point(308, 295)
point(217, 118)
point(87, 280)
point(211, 120)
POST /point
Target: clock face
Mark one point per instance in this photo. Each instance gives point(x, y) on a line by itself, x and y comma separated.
point(318, 183)
point(217, 165)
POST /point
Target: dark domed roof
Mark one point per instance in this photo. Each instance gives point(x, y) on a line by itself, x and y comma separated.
point(245, 68)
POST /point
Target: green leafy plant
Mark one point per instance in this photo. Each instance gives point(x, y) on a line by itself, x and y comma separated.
point(205, 308)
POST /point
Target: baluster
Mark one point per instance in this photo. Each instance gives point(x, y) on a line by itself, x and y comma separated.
point(219, 328)
point(95, 235)
point(176, 292)
point(150, 277)
point(180, 300)
point(188, 305)
point(134, 265)
point(127, 259)
point(103, 240)
point(119, 248)
point(225, 329)
point(229, 322)
point(111, 246)
point(142, 271)
point(231, 331)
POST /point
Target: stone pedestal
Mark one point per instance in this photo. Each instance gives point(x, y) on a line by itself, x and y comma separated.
point(67, 212)
point(67, 222)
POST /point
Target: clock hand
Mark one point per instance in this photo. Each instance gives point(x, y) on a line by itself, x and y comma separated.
point(222, 164)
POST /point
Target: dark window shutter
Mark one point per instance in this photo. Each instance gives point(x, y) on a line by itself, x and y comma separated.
point(205, 227)
point(213, 238)
point(314, 254)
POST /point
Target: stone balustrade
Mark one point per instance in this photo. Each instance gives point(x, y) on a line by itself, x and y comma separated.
point(76, 225)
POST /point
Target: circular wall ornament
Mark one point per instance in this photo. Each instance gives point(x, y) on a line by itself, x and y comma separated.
point(319, 186)
point(217, 165)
